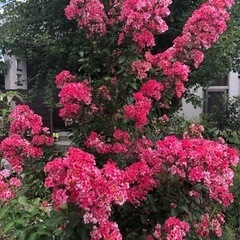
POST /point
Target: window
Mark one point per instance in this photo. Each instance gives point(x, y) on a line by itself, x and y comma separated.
point(2, 82)
point(215, 93)
point(19, 79)
point(220, 82)
point(18, 64)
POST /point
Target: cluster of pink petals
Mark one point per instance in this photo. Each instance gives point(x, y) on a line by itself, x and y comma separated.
point(73, 96)
point(75, 178)
point(27, 135)
point(96, 141)
point(144, 18)
point(8, 185)
point(26, 123)
point(195, 130)
point(206, 225)
point(139, 110)
point(90, 15)
point(140, 18)
point(140, 174)
point(16, 149)
point(24, 120)
point(201, 161)
point(141, 68)
point(201, 30)
point(64, 77)
point(152, 89)
point(173, 229)
point(143, 102)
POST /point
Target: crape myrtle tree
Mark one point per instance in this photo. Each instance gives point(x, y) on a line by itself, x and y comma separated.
point(124, 179)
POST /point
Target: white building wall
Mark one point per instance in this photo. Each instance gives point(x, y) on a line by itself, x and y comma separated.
point(234, 84)
point(195, 114)
point(16, 78)
point(188, 109)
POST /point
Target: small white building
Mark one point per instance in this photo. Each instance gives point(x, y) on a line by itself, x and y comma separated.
point(16, 77)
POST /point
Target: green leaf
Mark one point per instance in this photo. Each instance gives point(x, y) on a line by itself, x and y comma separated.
point(22, 235)
point(68, 230)
point(174, 212)
point(107, 51)
point(122, 59)
point(21, 221)
point(33, 236)
point(8, 227)
point(43, 232)
point(184, 208)
point(83, 231)
point(22, 200)
point(14, 234)
point(143, 219)
point(73, 220)
point(152, 203)
point(4, 210)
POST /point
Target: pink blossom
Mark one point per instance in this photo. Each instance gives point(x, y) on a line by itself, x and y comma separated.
point(90, 15)
point(15, 182)
point(64, 77)
point(152, 89)
point(141, 68)
point(176, 229)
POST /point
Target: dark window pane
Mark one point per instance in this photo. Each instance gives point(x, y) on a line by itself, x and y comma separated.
point(214, 100)
point(2, 82)
point(221, 82)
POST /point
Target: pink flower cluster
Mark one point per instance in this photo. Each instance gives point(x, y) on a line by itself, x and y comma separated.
point(143, 103)
point(140, 18)
point(139, 110)
point(73, 95)
point(201, 30)
point(195, 130)
point(141, 68)
point(144, 18)
point(64, 77)
point(206, 225)
point(7, 185)
point(25, 121)
point(75, 178)
point(16, 149)
point(207, 23)
point(173, 229)
point(140, 174)
point(26, 136)
point(90, 15)
point(201, 161)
